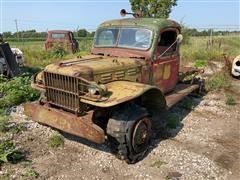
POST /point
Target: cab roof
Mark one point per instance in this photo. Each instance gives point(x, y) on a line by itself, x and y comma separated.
point(59, 31)
point(151, 23)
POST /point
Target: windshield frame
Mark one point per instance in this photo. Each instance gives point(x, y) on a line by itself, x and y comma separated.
point(116, 45)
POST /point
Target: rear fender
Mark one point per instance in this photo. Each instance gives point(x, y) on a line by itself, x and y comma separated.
point(123, 91)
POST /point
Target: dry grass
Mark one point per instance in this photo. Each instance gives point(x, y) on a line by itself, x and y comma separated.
point(199, 50)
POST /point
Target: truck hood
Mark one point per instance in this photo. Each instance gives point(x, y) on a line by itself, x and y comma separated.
point(100, 69)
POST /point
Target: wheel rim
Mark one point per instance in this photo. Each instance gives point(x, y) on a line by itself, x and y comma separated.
point(141, 135)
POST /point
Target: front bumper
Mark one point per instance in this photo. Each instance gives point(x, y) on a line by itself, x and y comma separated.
point(80, 126)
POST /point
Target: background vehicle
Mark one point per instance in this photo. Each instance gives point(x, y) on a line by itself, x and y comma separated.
point(132, 74)
point(236, 67)
point(65, 38)
point(10, 60)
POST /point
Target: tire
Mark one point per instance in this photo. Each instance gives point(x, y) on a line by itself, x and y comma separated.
point(129, 132)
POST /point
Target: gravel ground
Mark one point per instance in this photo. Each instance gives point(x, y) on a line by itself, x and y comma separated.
point(205, 145)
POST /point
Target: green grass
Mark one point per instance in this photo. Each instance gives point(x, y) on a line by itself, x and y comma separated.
point(199, 52)
point(7, 126)
point(55, 141)
point(200, 63)
point(158, 164)
point(30, 174)
point(4, 121)
point(18, 128)
point(219, 81)
point(36, 56)
point(230, 99)
point(9, 152)
point(5, 176)
point(16, 91)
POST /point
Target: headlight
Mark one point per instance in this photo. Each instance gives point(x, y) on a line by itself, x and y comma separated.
point(95, 89)
point(92, 89)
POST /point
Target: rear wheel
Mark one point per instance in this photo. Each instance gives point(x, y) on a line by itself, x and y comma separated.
point(129, 132)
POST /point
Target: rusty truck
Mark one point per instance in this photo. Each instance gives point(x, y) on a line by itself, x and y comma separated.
point(132, 74)
point(62, 37)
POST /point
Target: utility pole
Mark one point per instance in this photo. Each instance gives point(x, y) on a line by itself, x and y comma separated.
point(211, 37)
point(16, 23)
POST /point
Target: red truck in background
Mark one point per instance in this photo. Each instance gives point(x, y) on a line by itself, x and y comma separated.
point(63, 37)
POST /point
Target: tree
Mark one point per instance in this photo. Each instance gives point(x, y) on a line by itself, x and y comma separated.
point(7, 34)
point(153, 8)
point(82, 33)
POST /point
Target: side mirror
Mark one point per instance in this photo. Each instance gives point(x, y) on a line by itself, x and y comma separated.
point(137, 14)
point(123, 12)
point(179, 39)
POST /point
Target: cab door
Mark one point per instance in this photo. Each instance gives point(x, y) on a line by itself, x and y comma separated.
point(166, 60)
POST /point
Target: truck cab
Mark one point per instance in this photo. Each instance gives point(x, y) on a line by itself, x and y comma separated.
point(63, 37)
point(146, 39)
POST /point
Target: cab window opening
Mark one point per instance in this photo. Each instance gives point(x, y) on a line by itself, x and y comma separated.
point(167, 38)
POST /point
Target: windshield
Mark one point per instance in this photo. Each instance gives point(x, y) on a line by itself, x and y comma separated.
point(137, 38)
point(58, 36)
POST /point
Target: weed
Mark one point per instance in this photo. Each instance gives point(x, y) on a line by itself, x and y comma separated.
point(58, 51)
point(55, 141)
point(6, 126)
point(5, 176)
point(9, 152)
point(17, 128)
point(30, 174)
point(172, 121)
point(197, 48)
point(3, 124)
point(199, 63)
point(158, 164)
point(17, 91)
point(217, 82)
point(230, 100)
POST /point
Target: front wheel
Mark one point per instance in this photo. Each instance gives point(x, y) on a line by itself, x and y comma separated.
point(129, 132)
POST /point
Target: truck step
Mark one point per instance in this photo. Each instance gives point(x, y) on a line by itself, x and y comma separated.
point(181, 91)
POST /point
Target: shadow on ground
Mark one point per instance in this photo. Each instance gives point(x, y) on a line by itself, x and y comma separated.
point(27, 70)
point(167, 125)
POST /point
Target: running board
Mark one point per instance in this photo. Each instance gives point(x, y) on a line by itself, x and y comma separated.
point(181, 91)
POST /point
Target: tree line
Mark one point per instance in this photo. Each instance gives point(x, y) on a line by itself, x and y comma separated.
point(34, 34)
point(84, 33)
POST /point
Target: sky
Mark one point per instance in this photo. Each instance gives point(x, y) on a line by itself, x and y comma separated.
point(44, 15)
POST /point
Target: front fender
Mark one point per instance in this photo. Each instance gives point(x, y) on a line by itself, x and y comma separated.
point(123, 91)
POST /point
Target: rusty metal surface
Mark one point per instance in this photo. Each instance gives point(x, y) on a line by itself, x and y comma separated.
point(190, 70)
point(122, 52)
point(92, 66)
point(121, 70)
point(181, 91)
point(81, 126)
point(98, 69)
point(122, 91)
point(151, 23)
point(69, 42)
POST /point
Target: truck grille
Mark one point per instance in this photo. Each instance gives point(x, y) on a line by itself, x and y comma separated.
point(65, 91)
